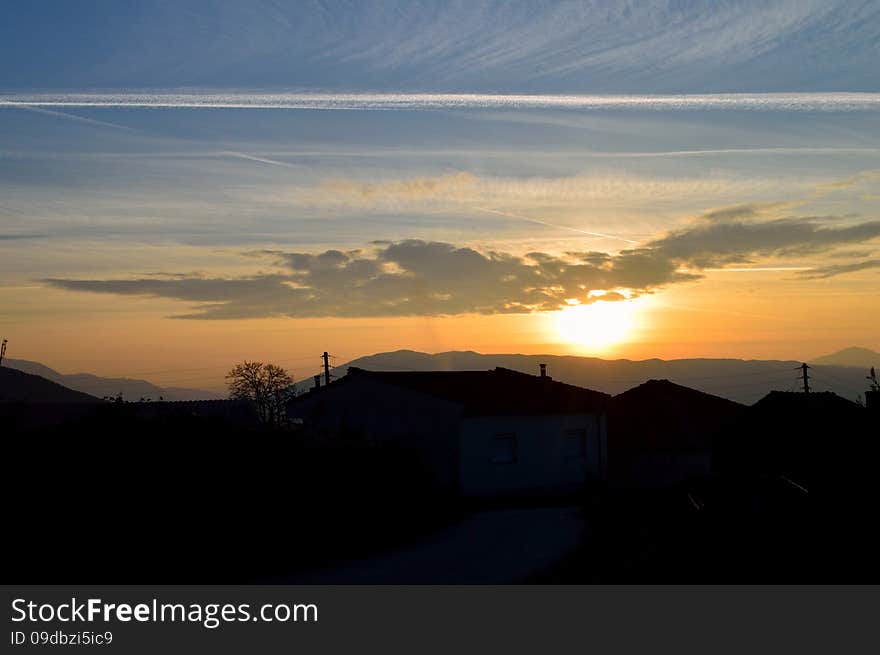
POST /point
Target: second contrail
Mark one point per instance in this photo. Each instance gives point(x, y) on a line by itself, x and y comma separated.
point(561, 227)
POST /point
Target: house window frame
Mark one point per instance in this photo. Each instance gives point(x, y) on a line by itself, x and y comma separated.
point(513, 457)
point(583, 435)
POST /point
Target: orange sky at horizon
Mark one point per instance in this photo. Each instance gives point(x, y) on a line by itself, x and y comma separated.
point(730, 318)
point(739, 233)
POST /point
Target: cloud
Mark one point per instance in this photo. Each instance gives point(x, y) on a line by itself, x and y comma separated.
point(625, 46)
point(411, 189)
point(17, 237)
point(851, 254)
point(747, 211)
point(415, 277)
point(402, 278)
point(554, 202)
point(510, 194)
point(709, 243)
point(832, 270)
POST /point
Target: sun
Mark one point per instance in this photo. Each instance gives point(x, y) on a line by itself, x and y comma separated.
point(596, 326)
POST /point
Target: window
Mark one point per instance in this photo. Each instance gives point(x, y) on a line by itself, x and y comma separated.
point(575, 444)
point(504, 449)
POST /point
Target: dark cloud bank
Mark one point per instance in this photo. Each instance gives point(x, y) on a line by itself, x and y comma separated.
point(416, 277)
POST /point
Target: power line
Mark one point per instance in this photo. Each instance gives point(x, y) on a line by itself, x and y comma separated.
point(212, 367)
point(688, 378)
point(833, 377)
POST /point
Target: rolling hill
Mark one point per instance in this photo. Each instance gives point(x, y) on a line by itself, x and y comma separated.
point(17, 386)
point(131, 389)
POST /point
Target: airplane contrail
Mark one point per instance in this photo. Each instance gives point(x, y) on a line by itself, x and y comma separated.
point(262, 160)
point(410, 101)
point(561, 227)
point(72, 117)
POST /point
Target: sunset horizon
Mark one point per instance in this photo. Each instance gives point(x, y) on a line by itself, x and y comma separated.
point(330, 301)
point(168, 246)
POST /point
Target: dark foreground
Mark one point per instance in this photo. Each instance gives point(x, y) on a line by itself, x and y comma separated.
point(110, 498)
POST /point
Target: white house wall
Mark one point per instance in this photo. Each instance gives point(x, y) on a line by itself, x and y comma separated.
point(541, 464)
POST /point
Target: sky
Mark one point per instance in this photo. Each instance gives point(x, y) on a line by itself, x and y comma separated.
point(192, 184)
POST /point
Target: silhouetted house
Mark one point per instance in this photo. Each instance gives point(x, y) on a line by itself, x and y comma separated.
point(480, 433)
point(661, 433)
point(808, 437)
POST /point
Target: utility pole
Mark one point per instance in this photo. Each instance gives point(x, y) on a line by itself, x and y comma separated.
point(875, 385)
point(806, 377)
point(326, 359)
point(3, 350)
point(872, 396)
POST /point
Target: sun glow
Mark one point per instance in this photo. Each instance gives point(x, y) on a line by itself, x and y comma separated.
point(597, 326)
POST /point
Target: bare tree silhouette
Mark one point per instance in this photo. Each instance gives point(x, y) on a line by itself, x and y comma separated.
point(268, 386)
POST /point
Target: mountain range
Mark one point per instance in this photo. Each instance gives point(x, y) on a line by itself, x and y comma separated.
point(850, 357)
point(100, 387)
point(744, 381)
point(534, 46)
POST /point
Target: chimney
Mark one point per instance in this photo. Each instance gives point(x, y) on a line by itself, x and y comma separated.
point(317, 382)
point(543, 370)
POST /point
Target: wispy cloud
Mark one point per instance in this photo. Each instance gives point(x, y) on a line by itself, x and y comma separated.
point(529, 198)
point(716, 244)
point(541, 45)
point(417, 188)
point(18, 237)
point(833, 270)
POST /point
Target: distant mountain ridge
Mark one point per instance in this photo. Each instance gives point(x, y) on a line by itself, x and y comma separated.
point(744, 381)
point(100, 387)
point(861, 358)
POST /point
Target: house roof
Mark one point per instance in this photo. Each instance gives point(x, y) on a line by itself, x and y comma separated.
point(664, 395)
point(496, 392)
point(804, 415)
point(813, 436)
point(662, 415)
point(791, 401)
